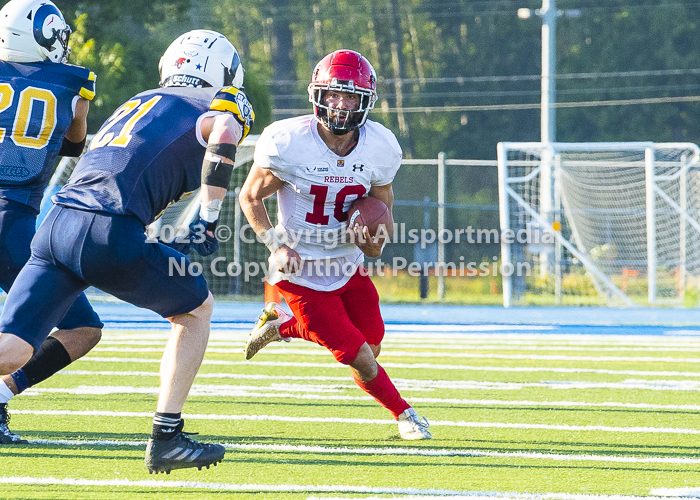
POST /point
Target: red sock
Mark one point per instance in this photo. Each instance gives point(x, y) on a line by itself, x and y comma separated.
point(291, 329)
point(382, 389)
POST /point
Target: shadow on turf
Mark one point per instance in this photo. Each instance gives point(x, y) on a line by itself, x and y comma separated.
point(290, 461)
point(250, 456)
point(500, 446)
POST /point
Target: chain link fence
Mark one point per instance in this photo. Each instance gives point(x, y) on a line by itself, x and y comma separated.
point(454, 197)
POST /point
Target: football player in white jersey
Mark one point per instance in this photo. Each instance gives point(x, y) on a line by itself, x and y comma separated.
point(318, 165)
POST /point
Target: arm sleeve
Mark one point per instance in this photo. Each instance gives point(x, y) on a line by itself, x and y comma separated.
point(72, 149)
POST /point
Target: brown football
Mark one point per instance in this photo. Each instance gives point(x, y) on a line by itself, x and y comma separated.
point(370, 212)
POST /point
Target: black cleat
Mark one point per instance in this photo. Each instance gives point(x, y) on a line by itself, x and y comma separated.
point(6, 435)
point(181, 452)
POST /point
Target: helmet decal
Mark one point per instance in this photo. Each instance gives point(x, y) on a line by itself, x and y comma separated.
point(32, 31)
point(201, 58)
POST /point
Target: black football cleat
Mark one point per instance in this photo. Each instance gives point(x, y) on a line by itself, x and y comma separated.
point(6, 435)
point(181, 452)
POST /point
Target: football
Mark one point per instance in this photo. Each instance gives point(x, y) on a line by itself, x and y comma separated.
point(370, 212)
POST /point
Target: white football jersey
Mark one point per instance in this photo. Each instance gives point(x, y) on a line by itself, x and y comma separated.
point(319, 187)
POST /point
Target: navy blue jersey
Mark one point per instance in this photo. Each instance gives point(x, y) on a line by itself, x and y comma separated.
point(147, 155)
point(37, 101)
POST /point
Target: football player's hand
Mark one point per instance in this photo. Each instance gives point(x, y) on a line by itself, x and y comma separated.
point(288, 260)
point(203, 242)
point(370, 246)
point(199, 239)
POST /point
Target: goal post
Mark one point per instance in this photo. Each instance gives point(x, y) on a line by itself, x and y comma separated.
point(599, 223)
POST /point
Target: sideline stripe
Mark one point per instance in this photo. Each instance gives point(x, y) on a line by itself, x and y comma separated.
point(416, 452)
point(440, 423)
point(247, 393)
point(411, 366)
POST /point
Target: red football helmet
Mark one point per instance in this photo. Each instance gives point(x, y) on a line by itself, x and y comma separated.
point(343, 71)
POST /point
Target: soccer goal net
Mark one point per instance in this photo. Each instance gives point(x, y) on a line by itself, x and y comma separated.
point(599, 223)
point(239, 255)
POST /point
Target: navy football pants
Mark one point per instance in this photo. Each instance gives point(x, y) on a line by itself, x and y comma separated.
point(74, 249)
point(17, 228)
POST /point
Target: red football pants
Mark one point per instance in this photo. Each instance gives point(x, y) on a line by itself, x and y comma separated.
point(340, 320)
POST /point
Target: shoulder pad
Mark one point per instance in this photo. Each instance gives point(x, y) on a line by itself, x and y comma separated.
point(85, 79)
point(234, 101)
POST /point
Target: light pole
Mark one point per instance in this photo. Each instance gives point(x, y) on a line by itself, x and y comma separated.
point(548, 122)
point(548, 130)
point(549, 15)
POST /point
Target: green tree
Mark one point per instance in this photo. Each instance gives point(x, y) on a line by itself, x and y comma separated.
point(122, 42)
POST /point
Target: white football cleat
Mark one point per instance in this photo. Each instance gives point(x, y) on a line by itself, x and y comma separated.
point(412, 427)
point(267, 329)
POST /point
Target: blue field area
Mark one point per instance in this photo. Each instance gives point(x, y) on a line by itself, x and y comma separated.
point(457, 319)
point(556, 320)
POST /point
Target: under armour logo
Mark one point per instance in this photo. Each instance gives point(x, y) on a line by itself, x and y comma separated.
point(360, 167)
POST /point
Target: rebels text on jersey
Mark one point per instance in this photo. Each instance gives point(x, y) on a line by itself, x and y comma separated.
point(319, 185)
point(37, 105)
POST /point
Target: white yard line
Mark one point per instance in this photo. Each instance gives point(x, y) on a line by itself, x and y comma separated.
point(432, 385)
point(439, 423)
point(502, 496)
point(428, 336)
point(432, 354)
point(413, 493)
point(396, 451)
point(676, 492)
point(435, 345)
point(259, 392)
point(433, 338)
point(253, 488)
point(410, 366)
point(241, 376)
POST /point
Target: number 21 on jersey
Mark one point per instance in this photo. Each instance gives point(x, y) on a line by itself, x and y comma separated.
point(106, 138)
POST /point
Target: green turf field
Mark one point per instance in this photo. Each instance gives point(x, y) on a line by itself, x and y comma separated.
point(511, 414)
